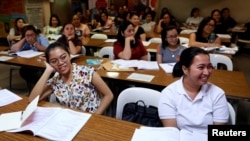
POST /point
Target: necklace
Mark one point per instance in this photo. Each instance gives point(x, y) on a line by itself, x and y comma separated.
point(172, 54)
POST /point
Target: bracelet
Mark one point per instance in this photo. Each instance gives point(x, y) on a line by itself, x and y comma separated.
point(69, 39)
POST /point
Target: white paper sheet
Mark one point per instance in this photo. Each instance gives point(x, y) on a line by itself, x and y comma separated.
point(224, 36)
point(167, 67)
point(156, 134)
point(29, 53)
point(8, 97)
point(5, 58)
point(146, 43)
point(141, 77)
point(111, 40)
point(140, 64)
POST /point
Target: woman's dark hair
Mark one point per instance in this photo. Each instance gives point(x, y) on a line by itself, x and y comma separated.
point(193, 11)
point(64, 25)
point(121, 38)
point(203, 23)
point(53, 46)
point(224, 9)
point(57, 18)
point(133, 14)
point(29, 27)
point(164, 35)
point(186, 59)
point(101, 21)
point(17, 30)
point(215, 10)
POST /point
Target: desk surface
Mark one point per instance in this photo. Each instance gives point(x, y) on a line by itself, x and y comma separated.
point(98, 127)
point(4, 48)
point(234, 83)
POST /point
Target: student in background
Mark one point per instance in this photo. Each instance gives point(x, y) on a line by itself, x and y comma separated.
point(53, 30)
point(70, 39)
point(170, 49)
point(204, 31)
point(105, 22)
point(194, 19)
point(15, 33)
point(149, 24)
point(128, 46)
point(227, 20)
point(192, 103)
point(219, 27)
point(75, 86)
point(139, 31)
point(31, 40)
point(166, 20)
point(81, 30)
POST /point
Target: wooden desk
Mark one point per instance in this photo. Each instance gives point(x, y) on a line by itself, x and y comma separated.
point(100, 43)
point(234, 83)
point(98, 127)
point(4, 48)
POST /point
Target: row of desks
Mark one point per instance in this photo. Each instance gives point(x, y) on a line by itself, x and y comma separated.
point(234, 83)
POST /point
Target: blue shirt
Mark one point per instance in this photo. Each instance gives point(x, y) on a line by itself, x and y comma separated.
point(42, 40)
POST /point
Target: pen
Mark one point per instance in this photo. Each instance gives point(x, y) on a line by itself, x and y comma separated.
point(21, 116)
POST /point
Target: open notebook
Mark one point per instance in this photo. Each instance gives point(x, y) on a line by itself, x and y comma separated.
point(50, 123)
point(166, 134)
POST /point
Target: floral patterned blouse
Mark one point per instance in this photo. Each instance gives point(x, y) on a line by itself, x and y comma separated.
point(81, 93)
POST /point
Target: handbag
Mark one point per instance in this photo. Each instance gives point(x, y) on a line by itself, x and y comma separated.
point(138, 112)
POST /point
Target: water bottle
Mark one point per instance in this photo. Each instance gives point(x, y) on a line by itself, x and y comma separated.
point(211, 38)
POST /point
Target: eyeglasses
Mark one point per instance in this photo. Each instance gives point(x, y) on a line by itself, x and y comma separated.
point(172, 37)
point(62, 58)
point(211, 25)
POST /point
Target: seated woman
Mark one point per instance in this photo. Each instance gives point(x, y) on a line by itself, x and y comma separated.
point(75, 86)
point(16, 32)
point(70, 40)
point(219, 27)
point(149, 25)
point(205, 30)
point(194, 19)
point(81, 30)
point(105, 22)
point(139, 31)
point(53, 30)
point(170, 49)
point(192, 103)
point(127, 46)
point(31, 40)
point(165, 21)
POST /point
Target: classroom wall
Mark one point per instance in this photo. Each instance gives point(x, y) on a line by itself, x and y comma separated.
point(181, 8)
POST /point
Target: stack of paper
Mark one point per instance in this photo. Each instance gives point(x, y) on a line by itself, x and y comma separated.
point(166, 134)
point(227, 50)
point(140, 64)
point(28, 53)
point(224, 36)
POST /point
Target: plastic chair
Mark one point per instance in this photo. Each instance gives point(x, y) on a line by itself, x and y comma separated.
point(232, 114)
point(133, 94)
point(108, 50)
point(149, 56)
point(155, 40)
point(245, 42)
point(222, 59)
point(184, 40)
point(83, 50)
point(99, 36)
